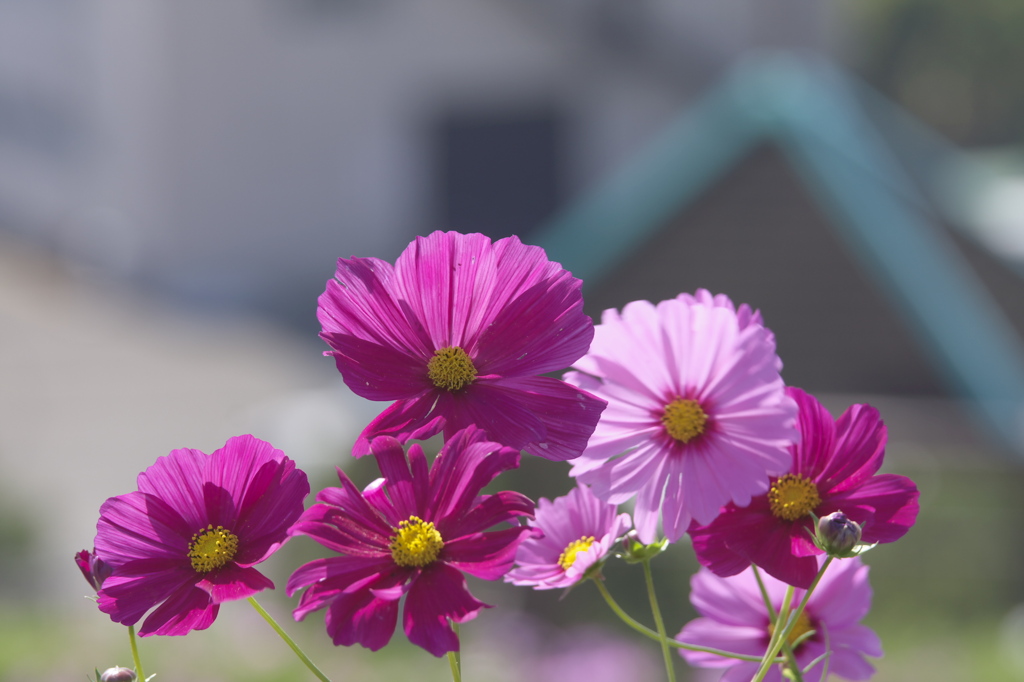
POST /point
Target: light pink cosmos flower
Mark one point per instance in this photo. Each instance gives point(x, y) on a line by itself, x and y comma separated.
point(835, 468)
point(574, 532)
point(412, 534)
point(457, 333)
point(188, 539)
point(697, 412)
point(734, 618)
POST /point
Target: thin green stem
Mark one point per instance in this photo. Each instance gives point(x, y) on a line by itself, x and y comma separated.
point(773, 617)
point(455, 658)
point(139, 673)
point(775, 641)
point(787, 650)
point(289, 641)
point(790, 620)
point(666, 652)
point(647, 632)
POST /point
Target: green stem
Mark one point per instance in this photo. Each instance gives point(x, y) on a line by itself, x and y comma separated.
point(790, 620)
point(773, 617)
point(139, 674)
point(289, 641)
point(666, 652)
point(455, 658)
point(647, 632)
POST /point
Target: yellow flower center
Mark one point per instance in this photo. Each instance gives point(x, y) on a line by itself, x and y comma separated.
point(415, 543)
point(211, 548)
point(567, 558)
point(793, 496)
point(684, 419)
point(800, 628)
point(451, 368)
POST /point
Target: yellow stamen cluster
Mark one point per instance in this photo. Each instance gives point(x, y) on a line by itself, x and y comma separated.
point(567, 558)
point(415, 543)
point(793, 497)
point(211, 548)
point(451, 368)
point(684, 419)
point(800, 628)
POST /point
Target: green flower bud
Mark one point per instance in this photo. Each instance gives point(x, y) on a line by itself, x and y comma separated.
point(634, 551)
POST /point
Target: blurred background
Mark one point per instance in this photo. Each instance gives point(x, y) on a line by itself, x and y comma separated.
point(178, 177)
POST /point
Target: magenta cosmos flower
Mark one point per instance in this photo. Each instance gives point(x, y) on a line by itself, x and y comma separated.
point(412, 533)
point(734, 618)
point(571, 534)
point(833, 470)
point(188, 539)
point(697, 412)
point(457, 333)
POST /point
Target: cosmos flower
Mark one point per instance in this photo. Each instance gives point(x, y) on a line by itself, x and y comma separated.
point(576, 532)
point(413, 533)
point(188, 539)
point(734, 618)
point(697, 412)
point(456, 333)
point(834, 469)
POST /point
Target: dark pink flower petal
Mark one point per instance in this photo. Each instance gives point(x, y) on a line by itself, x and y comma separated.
point(456, 481)
point(234, 582)
point(361, 301)
point(439, 594)
point(187, 539)
point(410, 533)
point(861, 437)
point(187, 609)
point(378, 372)
point(415, 419)
point(835, 462)
point(405, 497)
point(812, 452)
point(568, 416)
point(457, 284)
point(510, 312)
point(177, 480)
point(333, 576)
point(139, 585)
point(502, 506)
point(546, 322)
point(361, 618)
point(487, 556)
point(140, 526)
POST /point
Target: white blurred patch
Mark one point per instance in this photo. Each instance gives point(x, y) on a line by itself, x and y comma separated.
point(315, 427)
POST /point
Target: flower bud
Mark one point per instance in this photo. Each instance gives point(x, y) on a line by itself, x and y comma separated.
point(634, 551)
point(118, 674)
point(838, 535)
point(93, 568)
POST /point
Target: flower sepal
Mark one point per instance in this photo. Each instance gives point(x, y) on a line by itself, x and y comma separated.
point(635, 552)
